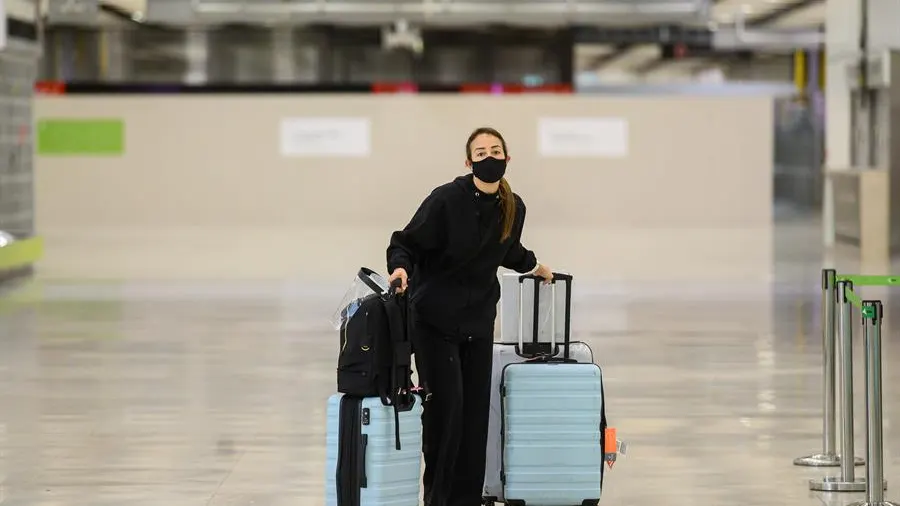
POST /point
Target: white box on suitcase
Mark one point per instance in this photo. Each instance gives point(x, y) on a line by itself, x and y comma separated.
point(510, 290)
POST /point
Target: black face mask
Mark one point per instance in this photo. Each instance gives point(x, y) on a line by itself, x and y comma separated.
point(489, 170)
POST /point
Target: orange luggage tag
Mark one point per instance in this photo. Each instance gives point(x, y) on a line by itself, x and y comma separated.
point(612, 447)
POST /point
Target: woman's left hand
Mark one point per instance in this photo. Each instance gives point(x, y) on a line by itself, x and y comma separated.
point(544, 272)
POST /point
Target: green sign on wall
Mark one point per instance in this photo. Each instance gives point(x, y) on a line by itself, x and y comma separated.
point(80, 137)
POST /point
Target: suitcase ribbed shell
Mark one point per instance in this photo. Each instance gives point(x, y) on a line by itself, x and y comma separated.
point(393, 475)
point(552, 437)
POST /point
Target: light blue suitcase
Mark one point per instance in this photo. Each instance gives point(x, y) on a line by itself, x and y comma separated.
point(506, 354)
point(375, 472)
point(553, 426)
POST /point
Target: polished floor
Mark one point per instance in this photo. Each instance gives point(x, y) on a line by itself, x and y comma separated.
point(188, 394)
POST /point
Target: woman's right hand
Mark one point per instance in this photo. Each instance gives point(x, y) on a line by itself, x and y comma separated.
point(399, 273)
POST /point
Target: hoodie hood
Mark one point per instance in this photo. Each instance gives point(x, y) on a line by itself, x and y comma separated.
point(466, 183)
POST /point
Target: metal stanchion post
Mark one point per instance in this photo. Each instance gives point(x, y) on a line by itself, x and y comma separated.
point(828, 457)
point(873, 314)
point(847, 481)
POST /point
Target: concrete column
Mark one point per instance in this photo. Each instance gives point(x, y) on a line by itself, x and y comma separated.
point(113, 49)
point(863, 171)
point(307, 64)
point(883, 33)
point(284, 55)
point(244, 68)
point(842, 22)
point(197, 54)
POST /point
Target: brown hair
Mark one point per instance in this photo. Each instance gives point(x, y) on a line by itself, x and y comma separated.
point(507, 200)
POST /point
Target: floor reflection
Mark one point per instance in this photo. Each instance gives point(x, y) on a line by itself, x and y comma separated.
point(165, 393)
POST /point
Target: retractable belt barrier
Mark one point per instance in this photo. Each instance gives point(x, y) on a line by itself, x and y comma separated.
point(838, 301)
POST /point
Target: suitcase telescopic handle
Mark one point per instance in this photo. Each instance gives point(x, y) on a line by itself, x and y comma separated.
point(557, 276)
point(534, 315)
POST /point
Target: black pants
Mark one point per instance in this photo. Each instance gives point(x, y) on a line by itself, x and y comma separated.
point(457, 375)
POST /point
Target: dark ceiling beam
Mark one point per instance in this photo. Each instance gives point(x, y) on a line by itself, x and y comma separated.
point(128, 17)
point(603, 60)
point(775, 15)
point(656, 34)
point(116, 11)
point(667, 56)
point(712, 58)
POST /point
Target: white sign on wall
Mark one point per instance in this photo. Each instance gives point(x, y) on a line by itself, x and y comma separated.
point(328, 137)
point(583, 137)
point(2, 24)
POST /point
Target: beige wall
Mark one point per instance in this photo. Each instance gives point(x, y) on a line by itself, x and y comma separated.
point(202, 191)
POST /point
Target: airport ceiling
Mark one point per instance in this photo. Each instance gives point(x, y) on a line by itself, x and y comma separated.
point(770, 13)
point(607, 58)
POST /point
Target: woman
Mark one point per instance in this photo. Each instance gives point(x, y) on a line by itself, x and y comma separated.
point(449, 254)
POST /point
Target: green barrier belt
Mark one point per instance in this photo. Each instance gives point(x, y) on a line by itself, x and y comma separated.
point(856, 300)
point(21, 253)
point(858, 280)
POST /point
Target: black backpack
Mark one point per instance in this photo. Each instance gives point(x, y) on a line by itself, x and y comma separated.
point(375, 351)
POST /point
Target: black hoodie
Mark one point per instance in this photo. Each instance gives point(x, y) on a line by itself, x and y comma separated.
point(451, 250)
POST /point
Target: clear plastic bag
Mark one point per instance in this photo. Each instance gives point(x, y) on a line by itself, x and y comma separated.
point(6, 239)
point(366, 283)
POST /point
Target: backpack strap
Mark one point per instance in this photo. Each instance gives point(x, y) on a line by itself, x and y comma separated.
point(399, 395)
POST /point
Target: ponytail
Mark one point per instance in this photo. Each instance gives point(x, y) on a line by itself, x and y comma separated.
point(508, 207)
